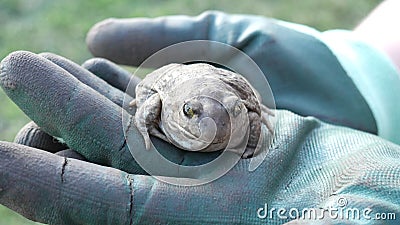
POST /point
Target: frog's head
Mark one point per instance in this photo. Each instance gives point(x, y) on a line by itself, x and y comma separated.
point(202, 122)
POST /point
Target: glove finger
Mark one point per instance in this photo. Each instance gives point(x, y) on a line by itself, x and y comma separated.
point(64, 107)
point(86, 77)
point(51, 189)
point(112, 74)
point(56, 190)
point(31, 135)
point(131, 41)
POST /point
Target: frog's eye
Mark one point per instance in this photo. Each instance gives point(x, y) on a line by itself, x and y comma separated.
point(187, 110)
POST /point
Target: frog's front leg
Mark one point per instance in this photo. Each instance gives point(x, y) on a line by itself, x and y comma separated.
point(265, 113)
point(147, 118)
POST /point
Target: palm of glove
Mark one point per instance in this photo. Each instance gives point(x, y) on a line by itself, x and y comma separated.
point(305, 167)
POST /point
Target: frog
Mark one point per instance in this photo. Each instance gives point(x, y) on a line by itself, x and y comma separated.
point(198, 107)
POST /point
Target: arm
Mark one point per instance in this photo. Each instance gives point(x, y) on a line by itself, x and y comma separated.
point(380, 29)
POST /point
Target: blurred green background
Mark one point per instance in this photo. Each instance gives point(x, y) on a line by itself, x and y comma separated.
point(60, 27)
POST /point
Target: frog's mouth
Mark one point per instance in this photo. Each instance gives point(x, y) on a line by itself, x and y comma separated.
point(183, 138)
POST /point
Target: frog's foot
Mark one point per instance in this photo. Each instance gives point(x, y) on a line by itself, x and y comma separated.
point(146, 138)
point(267, 110)
point(265, 113)
point(155, 132)
point(248, 153)
point(264, 119)
point(133, 103)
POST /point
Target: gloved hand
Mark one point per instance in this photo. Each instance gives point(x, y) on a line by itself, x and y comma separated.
point(309, 165)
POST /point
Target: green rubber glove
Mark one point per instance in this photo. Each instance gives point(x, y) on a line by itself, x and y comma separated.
point(310, 165)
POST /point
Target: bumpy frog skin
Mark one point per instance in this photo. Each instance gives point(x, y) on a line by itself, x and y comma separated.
point(191, 106)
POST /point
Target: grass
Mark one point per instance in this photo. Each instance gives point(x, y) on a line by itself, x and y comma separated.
point(60, 27)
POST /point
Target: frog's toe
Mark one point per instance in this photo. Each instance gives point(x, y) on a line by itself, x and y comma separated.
point(248, 153)
point(147, 141)
point(133, 103)
point(155, 132)
point(267, 110)
point(146, 137)
point(265, 120)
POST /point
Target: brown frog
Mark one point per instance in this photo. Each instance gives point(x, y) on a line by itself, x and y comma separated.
point(199, 107)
